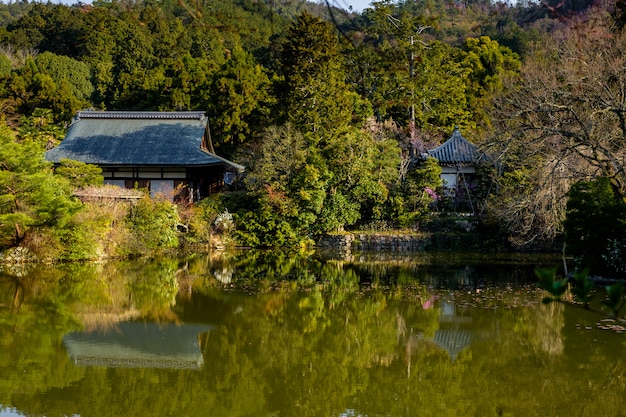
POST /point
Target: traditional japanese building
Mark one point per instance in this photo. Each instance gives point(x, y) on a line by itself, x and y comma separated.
point(457, 157)
point(164, 152)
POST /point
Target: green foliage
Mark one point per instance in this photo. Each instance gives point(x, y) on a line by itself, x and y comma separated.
point(9, 12)
point(96, 231)
point(615, 300)
point(209, 223)
point(265, 229)
point(439, 92)
point(240, 88)
point(198, 219)
point(287, 184)
point(80, 174)
point(364, 168)
point(314, 96)
point(30, 195)
point(583, 287)
point(41, 129)
point(417, 194)
point(62, 69)
point(489, 63)
point(595, 226)
point(511, 34)
point(5, 65)
point(55, 28)
point(80, 241)
point(152, 224)
point(300, 191)
point(60, 84)
point(98, 52)
point(410, 77)
point(339, 211)
point(318, 172)
point(548, 282)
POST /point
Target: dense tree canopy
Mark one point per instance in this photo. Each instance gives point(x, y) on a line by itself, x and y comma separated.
point(537, 86)
point(242, 104)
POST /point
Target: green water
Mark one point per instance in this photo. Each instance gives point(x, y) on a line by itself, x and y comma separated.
point(274, 334)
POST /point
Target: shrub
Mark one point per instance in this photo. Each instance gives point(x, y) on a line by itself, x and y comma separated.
point(264, 229)
point(208, 221)
point(89, 235)
point(595, 226)
point(411, 202)
point(152, 225)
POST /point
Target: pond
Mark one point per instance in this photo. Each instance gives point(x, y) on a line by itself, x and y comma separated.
point(277, 334)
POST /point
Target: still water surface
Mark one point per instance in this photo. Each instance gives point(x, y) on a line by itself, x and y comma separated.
point(274, 334)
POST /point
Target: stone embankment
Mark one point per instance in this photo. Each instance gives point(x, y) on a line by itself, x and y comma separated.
point(16, 261)
point(375, 242)
point(16, 255)
point(440, 234)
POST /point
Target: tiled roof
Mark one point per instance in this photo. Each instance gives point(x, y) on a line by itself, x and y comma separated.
point(137, 139)
point(140, 115)
point(456, 150)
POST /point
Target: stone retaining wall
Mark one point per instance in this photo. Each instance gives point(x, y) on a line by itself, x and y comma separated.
point(17, 255)
point(373, 242)
point(17, 261)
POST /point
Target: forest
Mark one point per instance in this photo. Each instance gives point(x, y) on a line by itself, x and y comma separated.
point(329, 111)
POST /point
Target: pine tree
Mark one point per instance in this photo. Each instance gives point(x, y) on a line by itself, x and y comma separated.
point(30, 195)
point(241, 95)
point(314, 95)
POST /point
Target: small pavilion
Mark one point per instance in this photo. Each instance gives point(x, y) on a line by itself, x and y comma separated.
point(456, 157)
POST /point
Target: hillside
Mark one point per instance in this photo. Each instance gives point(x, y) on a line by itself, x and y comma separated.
point(328, 109)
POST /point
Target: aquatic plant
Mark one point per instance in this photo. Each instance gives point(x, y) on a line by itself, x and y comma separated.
point(549, 283)
point(615, 298)
point(583, 287)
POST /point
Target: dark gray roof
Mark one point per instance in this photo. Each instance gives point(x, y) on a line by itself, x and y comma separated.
point(455, 150)
point(136, 139)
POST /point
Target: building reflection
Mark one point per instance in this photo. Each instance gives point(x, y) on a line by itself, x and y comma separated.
point(454, 332)
point(138, 345)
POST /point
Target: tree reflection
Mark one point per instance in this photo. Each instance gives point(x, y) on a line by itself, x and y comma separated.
point(295, 335)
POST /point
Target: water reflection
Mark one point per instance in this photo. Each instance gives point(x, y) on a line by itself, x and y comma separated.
point(136, 344)
point(265, 333)
point(454, 332)
point(446, 270)
point(9, 412)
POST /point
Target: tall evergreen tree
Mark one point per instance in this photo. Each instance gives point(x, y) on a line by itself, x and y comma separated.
point(240, 105)
point(314, 95)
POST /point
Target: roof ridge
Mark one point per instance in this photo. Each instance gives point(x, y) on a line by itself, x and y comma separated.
point(455, 149)
point(94, 114)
